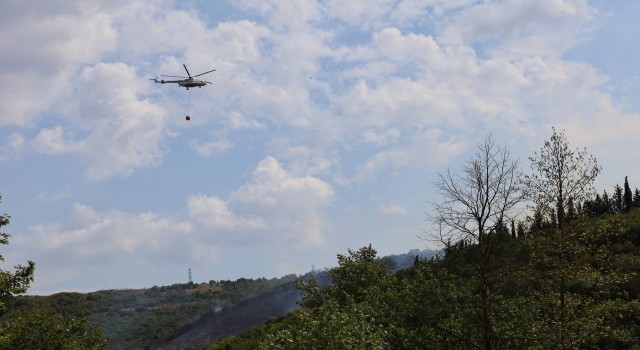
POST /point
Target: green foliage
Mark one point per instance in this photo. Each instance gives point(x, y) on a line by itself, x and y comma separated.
point(144, 317)
point(338, 325)
point(580, 281)
point(628, 196)
point(41, 328)
point(559, 174)
point(434, 303)
point(17, 282)
point(356, 274)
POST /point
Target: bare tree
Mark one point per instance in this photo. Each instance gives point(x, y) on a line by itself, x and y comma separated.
point(474, 204)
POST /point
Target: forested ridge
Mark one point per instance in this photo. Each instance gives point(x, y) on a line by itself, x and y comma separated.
point(142, 318)
point(435, 304)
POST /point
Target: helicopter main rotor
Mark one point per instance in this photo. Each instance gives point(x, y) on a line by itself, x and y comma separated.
point(189, 74)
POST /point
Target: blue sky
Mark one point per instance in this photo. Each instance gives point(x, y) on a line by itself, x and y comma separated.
point(324, 127)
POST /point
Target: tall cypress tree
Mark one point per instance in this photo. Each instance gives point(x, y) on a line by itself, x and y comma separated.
point(618, 203)
point(571, 210)
point(607, 205)
point(521, 233)
point(628, 197)
point(636, 198)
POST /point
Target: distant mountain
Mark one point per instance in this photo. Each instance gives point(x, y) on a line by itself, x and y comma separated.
point(278, 302)
point(143, 318)
point(406, 260)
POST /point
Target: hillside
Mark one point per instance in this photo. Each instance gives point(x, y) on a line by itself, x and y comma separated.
point(236, 319)
point(142, 318)
point(587, 299)
point(188, 315)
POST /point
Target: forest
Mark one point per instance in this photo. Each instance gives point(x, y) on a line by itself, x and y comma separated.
point(529, 260)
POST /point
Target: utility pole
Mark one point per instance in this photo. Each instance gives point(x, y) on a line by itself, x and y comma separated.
point(190, 280)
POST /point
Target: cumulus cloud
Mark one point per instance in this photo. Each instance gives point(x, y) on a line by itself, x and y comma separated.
point(13, 147)
point(381, 138)
point(273, 205)
point(52, 141)
point(430, 148)
point(207, 149)
point(272, 209)
point(90, 241)
point(90, 236)
point(53, 197)
point(481, 65)
point(392, 209)
point(546, 27)
point(124, 130)
point(213, 212)
point(47, 43)
point(238, 121)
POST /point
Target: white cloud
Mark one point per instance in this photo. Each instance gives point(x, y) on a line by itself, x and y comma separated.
point(401, 13)
point(429, 149)
point(272, 209)
point(214, 213)
point(381, 138)
point(307, 160)
point(392, 209)
point(272, 206)
point(52, 142)
point(125, 130)
point(14, 146)
point(283, 13)
point(46, 45)
point(101, 238)
point(545, 27)
point(391, 43)
point(53, 197)
point(238, 121)
point(395, 86)
point(208, 149)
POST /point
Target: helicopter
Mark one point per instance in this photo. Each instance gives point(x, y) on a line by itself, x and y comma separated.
point(186, 82)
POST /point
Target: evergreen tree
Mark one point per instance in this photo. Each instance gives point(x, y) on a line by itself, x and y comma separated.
point(636, 198)
point(521, 233)
point(618, 202)
point(598, 206)
point(537, 222)
point(553, 219)
point(571, 210)
point(590, 207)
point(628, 197)
point(607, 204)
